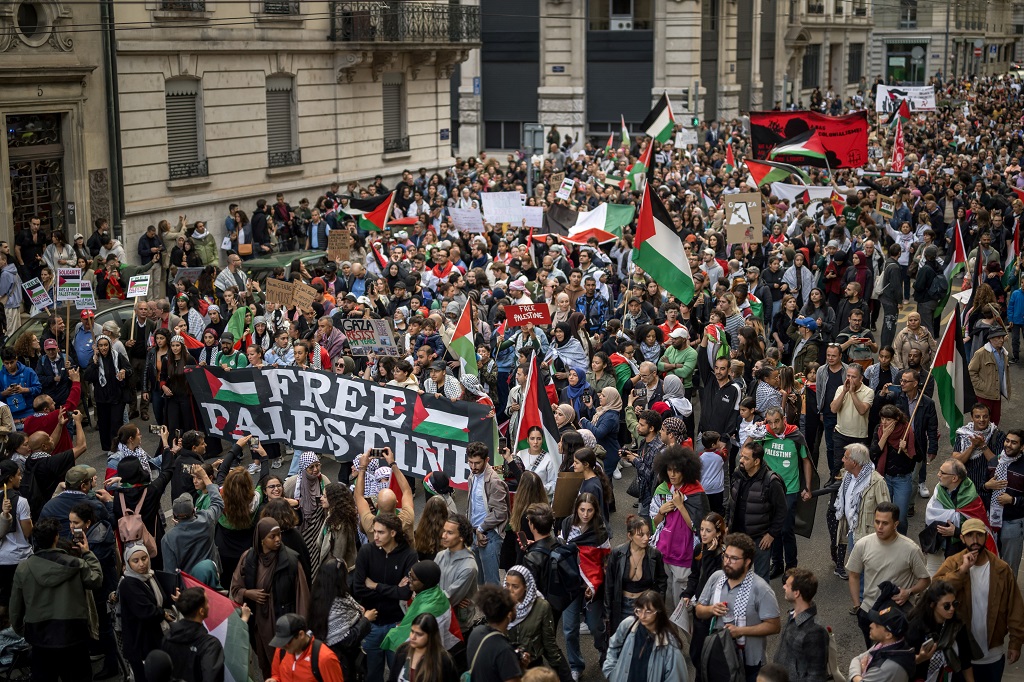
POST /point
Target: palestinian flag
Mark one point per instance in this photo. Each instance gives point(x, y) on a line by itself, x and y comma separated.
point(593, 558)
point(240, 392)
point(709, 204)
point(191, 342)
point(756, 307)
point(942, 509)
point(608, 145)
point(767, 172)
point(658, 249)
point(805, 144)
point(955, 391)
point(624, 369)
point(462, 343)
point(535, 411)
point(730, 161)
point(432, 421)
point(899, 149)
point(901, 114)
point(660, 122)
point(637, 174)
point(226, 625)
point(373, 214)
point(434, 602)
point(956, 265)
point(625, 133)
point(718, 343)
point(607, 217)
point(583, 237)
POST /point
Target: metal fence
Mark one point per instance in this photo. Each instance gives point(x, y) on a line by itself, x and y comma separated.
point(384, 22)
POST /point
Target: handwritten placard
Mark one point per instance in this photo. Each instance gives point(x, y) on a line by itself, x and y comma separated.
point(467, 220)
point(278, 291)
point(303, 295)
point(534, 313)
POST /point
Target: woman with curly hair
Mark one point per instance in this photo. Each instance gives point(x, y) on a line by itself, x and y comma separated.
point(28, 349)
point(340, 536)
point(427, 538)
point(678, 506)
point(234, 530)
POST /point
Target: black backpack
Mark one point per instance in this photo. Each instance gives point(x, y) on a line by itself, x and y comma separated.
point(559, 578)
point(314, 659)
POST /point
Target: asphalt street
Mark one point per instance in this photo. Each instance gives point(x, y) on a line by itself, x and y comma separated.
point(833, 597)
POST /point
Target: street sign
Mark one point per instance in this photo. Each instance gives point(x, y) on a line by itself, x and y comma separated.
point(977, 52)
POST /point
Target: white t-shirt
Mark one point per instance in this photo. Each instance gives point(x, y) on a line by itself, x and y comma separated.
point(15, 547)
point(979, 615)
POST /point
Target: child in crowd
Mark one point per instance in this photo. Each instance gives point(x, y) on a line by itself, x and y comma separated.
point(712, 469)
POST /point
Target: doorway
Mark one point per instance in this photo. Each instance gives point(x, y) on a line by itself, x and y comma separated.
point(35, 152)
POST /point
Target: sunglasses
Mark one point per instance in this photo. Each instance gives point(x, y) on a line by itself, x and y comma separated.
point(949, 605)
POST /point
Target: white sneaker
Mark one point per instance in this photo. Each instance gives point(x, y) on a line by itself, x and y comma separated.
point(277, 463)
point(617, 474)
point(575, 676)
point(584, 628)
point(253, 468)
point(923, 491)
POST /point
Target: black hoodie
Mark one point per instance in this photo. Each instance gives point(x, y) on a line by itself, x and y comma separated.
point(198, 656)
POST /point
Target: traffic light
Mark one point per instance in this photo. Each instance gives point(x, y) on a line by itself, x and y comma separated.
point(695, 122)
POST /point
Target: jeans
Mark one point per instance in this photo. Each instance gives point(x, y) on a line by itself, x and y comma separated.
point(927, 311)
point(594, 613)
point(1011, 542)
point(989, 672)
point(787, 543)
point(828, 425)
point(611, 461)
point(763, 559)
point(905, 276)
point(890, 314)
point(1015, 341)
point(901, 491)
point(487, 559)
point(375, 656)
point(503, 390)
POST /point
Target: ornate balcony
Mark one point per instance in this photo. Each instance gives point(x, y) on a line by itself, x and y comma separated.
point(287, 7)
point(183, 5)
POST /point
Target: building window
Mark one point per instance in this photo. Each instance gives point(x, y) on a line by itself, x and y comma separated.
point(621, 15)
point(280, 6)
point(709, 15)
point(855, 64)
point(811, 67)
point(503, 134)
point(183, 5)
point(393, 90)
point(908, 13)
point(282, 140)
point(185, 156)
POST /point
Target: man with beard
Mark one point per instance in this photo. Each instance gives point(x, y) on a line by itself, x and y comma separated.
point(1006, 512)
point(990, 602)
point(977, 443)
point(785, 453)
point(741, 602)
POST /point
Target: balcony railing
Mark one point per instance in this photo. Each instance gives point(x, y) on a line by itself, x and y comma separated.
point(396, 144)
point(280, 6)
point(402, 22)
point(282, 159)
point(183, 5)
point(192, 169)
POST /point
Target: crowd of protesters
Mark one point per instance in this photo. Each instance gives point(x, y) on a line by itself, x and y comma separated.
point(819, 338)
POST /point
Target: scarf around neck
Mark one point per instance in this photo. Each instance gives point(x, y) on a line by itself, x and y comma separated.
point(524, 607)
point(850, 492)
point(995, 510)
point(740, 598)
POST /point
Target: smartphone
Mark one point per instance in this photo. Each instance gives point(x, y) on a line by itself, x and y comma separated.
point(640, 392)
point(524, 541)
point(154, 428)
point(377, 452)
point(927, 643)
point(177, 434)
point(254, 443)
point(502, 444)
point(77, 534)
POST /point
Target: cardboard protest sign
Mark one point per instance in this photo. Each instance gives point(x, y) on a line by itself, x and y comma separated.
point(138, 286)
point(534, 313)
point(533, 216)
point(303, 295)
point(366, 336)
point(339, 243)
point(567, 489)
point(467, 219)
point(278, 291)
point(743, 218)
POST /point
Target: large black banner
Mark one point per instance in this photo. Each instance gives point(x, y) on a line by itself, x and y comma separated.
point(342, 416)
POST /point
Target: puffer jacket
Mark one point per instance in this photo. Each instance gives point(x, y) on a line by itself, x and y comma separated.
point(765, 502)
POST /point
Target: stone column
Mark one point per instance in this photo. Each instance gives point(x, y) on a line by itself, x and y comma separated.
point(728, 88)
point(561, 97)
point(471, 118)
point(756, 86)
point(677, 27)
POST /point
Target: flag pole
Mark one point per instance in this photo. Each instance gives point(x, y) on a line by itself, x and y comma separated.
point(67, 327)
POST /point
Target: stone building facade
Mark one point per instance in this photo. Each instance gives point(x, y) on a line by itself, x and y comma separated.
point(230, 102)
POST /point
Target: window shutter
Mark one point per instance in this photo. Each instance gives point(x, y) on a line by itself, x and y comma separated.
point(392, 105)
point(279, 120)
point(181, 105)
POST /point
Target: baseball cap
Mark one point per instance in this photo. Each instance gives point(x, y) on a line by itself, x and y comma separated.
point(8, 469)
point(973, 526)
point(439, 366)
point(364, 300)
point(87, 313)
point(50, 343)
point(286, 628)
point(679, 333)
point(227, 337)
point(183, 507)
point(78, 474)
point(516, 263)
point(809, 323)
point(890, 617)
point(437, 483)
point(833, 244)
point(754, 269)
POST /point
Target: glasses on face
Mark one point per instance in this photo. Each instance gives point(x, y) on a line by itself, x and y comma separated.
point(729, 558)
point(946, 473)
point(644, 611)
point(949, 605)
point(274, 486)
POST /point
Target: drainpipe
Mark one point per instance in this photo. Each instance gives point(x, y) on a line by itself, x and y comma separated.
point(113, 118)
